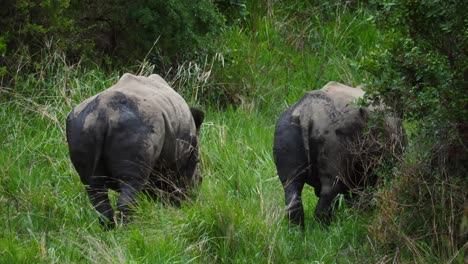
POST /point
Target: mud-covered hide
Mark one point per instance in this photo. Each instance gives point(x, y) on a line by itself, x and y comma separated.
point(322, 113)
point(135, 133)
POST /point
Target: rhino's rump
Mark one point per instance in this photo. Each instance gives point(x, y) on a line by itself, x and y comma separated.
point(137, 120)
point(320, 114)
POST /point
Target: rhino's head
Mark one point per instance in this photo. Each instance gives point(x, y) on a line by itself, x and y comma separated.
point(346, 152)
point(352, 123)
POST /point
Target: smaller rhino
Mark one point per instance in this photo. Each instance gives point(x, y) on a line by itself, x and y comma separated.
point(138, 135)
point(315, 142)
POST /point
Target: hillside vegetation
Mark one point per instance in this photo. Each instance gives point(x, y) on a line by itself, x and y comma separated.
point(243, 62)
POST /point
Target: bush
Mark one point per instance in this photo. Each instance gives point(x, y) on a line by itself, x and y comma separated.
point(423, 68)
point(421, 71)
point(112, 32)
point(421, 210)
point(173, 31)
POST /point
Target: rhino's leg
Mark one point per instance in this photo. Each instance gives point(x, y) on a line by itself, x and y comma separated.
point(127, 199)
point(98, 194)
point(95, 180)
point(131, 170)
point(328, 193)
point(293, 196)
point(130, 165)
point(100, 200)
point(291, 164)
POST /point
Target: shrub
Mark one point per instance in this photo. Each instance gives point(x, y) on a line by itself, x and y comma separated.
point(421, 70)
point(423, 67)
point(111, 32)
point(178, 30)
point(421, 209)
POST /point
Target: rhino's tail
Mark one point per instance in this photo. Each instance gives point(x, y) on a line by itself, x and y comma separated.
point(306, 134)
point(97, 153)
point(85, 147)
point(306, 125)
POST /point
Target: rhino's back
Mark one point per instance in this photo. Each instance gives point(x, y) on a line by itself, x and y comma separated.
point(320, 112)
point(342, 95)
point(317, 109)
point(152, 94)
point(325, 106)
point(150, 99)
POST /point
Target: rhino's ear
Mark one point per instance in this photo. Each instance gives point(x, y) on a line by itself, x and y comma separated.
point(198, 116)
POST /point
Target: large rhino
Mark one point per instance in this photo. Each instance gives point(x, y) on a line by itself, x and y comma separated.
point(138, 135)
point(316, 143)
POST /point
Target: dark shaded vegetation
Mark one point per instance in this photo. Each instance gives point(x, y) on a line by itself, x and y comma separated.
point(110, 33)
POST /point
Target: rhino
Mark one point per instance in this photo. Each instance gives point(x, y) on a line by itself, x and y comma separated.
point(137, 136)
point(315, 142)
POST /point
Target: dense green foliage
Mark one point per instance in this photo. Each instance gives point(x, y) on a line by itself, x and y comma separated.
point(27, 26)
point(423, 65)
point(244, 62)
point(112, 32)
point(421, 70)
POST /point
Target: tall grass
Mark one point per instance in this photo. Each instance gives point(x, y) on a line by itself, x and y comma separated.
point(237, 215)
point(289, 51)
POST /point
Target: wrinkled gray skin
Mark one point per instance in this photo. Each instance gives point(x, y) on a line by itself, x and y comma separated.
point(312, 145)
point(138, 135)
